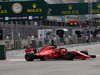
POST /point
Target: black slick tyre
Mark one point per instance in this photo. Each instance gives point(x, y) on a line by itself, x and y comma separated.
point(42, 59)
point(70, 56)
point(84, 52)
point(29, 56)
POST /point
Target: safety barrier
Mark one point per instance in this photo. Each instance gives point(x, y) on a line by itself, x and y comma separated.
point(2, 52)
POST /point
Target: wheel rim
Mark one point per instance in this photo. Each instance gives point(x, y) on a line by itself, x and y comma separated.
point(27, 57)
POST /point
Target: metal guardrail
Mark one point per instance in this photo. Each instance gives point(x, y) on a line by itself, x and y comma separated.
point(20, 44)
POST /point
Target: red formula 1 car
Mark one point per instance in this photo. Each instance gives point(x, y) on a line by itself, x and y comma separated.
point(58, 53)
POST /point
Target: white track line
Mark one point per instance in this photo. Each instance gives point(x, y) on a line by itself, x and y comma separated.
point(97, 55)
point(17, 60)
point(22, 59)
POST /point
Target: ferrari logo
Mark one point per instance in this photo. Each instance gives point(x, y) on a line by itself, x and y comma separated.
point(50, 54)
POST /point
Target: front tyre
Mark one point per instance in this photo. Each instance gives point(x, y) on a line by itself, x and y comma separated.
point(84, 52)
point(70, 56)
point(29, 56)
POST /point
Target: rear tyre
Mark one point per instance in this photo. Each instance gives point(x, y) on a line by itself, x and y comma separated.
point(29, 56)
point(84, 52)
point(70, 55)
point(42, 59)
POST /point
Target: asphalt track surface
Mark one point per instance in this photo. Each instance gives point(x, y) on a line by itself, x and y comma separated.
point(16, 64)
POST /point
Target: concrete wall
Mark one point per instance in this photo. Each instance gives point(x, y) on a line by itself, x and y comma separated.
point(53, 1)
point(90, 0)
point(70, 1)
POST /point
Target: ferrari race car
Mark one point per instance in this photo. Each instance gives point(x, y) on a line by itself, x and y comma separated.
point(57, 53)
